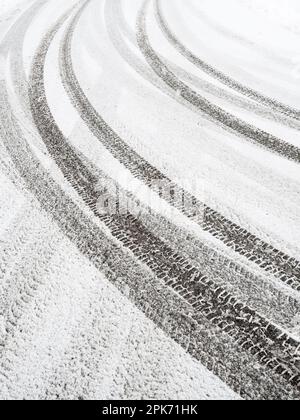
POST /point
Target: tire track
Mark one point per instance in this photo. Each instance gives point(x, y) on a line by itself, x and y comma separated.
point(21, 233)
point(89, 239)
point(257, 292)
point(220, 116)
point(222, 77)
point(12, 46)
point(205, 342)
point(249, 329)
point(246, 286)
point(159, 226)
point(240, 240)
point(113, 13)
point(86, 235)
point(25, 254)
point(116, 12)
point(212, 300)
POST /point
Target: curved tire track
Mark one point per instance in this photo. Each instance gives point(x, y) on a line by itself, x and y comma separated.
point(220, 116)
point(120, 31)
point(240, 240)
point(222, 77)
point(202, 340)
point(116, 13)
point(249, 329)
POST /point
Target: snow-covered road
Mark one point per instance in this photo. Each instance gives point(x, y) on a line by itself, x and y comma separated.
point(150, 196)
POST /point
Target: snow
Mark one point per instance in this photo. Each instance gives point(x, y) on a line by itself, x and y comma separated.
point(66, 330)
